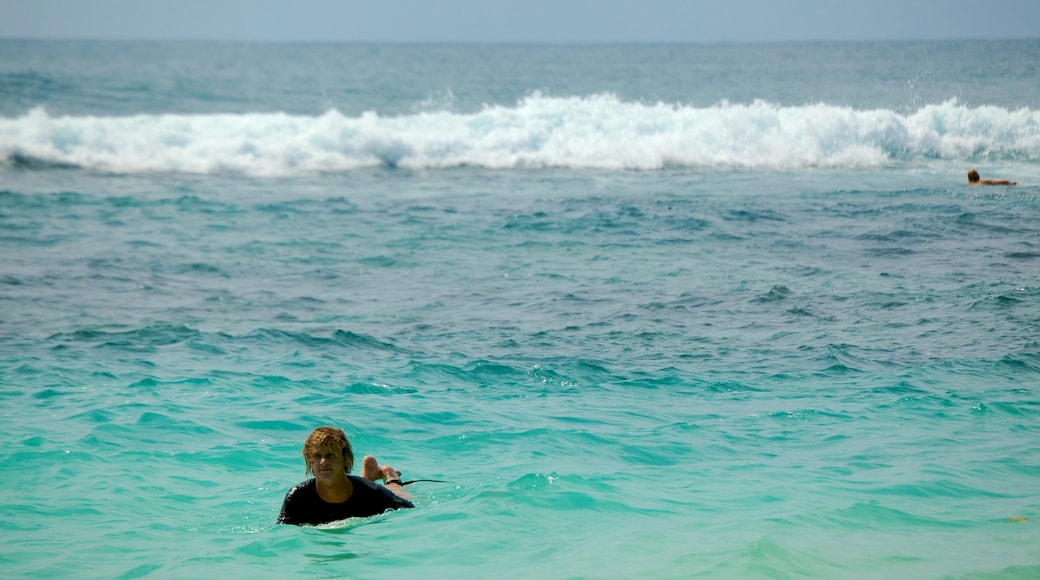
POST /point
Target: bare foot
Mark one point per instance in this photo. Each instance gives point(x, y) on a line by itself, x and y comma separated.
point(370, 469)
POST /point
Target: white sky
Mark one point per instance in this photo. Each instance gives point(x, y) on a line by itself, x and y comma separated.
point(554, 21)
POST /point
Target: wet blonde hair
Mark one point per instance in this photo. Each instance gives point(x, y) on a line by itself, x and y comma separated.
point(333, 438)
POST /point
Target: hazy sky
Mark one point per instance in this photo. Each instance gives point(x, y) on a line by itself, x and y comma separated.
point(521, 20)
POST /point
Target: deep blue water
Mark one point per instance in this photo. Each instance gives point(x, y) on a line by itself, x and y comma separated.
point(668, 311)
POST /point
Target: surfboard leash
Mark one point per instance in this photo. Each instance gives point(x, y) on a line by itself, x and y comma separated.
point(428, 480)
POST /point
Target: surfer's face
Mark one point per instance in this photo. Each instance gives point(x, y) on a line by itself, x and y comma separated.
point(328, 440)
point(327, 462)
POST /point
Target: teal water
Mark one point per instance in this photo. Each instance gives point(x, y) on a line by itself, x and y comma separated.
point(702, 339)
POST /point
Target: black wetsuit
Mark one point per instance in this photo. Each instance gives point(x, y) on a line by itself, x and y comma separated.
point(302, 504)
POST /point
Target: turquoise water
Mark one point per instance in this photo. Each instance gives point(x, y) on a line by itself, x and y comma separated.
point(663, 311)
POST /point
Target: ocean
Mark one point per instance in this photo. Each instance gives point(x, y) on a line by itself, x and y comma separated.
point(659, 311)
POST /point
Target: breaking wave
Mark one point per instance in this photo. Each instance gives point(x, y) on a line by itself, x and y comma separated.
point(592, 132)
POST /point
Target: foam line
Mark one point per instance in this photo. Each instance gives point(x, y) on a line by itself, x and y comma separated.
point(593, 132)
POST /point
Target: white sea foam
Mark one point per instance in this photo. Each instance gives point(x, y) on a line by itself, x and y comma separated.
point(595, 132)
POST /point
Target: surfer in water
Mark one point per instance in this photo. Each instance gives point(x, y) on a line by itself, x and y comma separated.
point(973, 179)
point(333, 494)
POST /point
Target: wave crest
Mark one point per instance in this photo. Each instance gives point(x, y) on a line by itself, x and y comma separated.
point(592, 132)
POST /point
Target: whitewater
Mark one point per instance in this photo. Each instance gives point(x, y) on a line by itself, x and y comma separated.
point(595, 132)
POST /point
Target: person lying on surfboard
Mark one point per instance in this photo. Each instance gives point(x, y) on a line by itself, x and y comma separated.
point(973, 179)
point(333, 494)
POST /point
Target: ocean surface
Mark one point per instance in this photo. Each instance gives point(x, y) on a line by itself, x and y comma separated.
point(656, 311)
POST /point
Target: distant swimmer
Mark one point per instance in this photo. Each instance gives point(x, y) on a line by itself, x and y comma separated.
point(973, 179)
